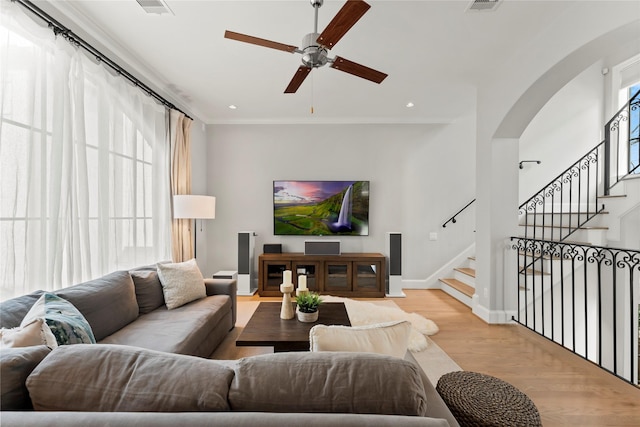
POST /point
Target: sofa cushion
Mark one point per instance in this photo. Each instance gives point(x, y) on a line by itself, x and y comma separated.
point(36, 332)
point(363, 383)
point(148, 288)
point(112, 378)
point(15, 366)
point(391, 338)
point(108, 303)
point(67, 324)
point(182, 282)
point(181, 330)
point(12, 311)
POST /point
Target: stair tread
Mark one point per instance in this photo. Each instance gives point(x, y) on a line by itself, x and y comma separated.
point(459, 286)
point(531, 271)
point(466, 270)
point(568, 213)
point(569, 242)
point(614, 196)
point(558, 226)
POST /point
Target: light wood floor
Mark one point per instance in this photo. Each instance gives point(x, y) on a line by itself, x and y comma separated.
point(567, 390)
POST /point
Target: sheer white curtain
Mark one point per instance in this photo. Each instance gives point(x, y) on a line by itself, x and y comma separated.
point(84, 164)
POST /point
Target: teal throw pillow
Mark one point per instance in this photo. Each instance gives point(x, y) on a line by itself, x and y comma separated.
point(65, 321)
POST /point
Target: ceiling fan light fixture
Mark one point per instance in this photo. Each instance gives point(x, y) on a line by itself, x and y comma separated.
point(313, 55)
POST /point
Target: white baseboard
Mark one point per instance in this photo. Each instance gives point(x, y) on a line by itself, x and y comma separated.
point(415, 284)
point(496, 317)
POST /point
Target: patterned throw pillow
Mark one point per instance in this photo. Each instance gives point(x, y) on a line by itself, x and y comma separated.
point(65, 321)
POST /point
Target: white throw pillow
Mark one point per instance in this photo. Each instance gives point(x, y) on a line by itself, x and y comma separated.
point(390, 338)
point(36, 332)
point(182, 282)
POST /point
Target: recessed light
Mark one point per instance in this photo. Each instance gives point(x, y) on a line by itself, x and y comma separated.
point(409, 104)
point(232, 107)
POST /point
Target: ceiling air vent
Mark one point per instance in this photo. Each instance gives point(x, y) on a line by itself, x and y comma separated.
point(155, 6)
point(484, 5)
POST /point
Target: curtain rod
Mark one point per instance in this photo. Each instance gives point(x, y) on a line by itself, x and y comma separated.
point(73, 38)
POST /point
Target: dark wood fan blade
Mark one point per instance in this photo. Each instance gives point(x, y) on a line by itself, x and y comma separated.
point(297, 79)
point(358, 70)
point(260, 42)
point(350, 13)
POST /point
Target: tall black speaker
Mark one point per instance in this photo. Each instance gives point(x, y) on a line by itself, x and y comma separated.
point(395, 254)
point(244, 261)
point(246, 244)
point(394, 264)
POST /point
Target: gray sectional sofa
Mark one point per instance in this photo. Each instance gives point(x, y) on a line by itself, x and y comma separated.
point(127, 308)
point(143, 372)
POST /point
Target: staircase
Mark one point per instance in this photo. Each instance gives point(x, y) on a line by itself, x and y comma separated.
point(571, 208)
point(462, 285)
point(603, 229)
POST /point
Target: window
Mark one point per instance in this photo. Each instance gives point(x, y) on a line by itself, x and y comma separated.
point(634, 129)
point(84, 169)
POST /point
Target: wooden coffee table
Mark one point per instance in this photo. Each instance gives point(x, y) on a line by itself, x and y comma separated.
point(266, 328)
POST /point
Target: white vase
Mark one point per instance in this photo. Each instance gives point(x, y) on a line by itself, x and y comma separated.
point(308, 317)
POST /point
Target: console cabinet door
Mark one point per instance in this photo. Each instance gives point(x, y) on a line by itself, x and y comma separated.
point(338, 276)
point(310, 269)
point(345, 275)
point(272, 273)
point(366, 276)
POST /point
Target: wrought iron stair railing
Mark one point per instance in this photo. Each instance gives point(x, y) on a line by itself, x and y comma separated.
point(566, 203)
point(582, 296)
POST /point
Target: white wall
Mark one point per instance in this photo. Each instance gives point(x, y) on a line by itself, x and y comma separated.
point(568, 126)
point(419, 175)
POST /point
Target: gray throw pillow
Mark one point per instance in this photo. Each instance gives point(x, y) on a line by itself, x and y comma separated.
point(148, 290)
point(117, 378)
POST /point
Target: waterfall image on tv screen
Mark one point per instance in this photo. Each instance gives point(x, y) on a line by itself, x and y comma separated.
point(321, 208)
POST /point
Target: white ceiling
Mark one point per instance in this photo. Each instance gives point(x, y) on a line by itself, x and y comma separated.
point(435, 53)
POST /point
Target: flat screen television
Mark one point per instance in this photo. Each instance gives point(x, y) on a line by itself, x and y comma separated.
point(321, 208)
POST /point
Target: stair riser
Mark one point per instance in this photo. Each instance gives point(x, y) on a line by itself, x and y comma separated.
point(456, 294)
point(564, 220)
point(465, 278)
point(566, 207)
point(594, 237)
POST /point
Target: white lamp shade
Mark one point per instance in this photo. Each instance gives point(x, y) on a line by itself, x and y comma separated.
point(192, 206)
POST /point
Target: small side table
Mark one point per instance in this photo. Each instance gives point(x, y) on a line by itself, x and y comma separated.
point(226, 274)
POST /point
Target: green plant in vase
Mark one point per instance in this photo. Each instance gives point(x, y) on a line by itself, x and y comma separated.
point(308, 304)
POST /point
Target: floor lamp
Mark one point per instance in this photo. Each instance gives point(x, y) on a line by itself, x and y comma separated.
point(189, 206)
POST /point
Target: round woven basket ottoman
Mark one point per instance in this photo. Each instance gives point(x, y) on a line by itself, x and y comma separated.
point(482, 400)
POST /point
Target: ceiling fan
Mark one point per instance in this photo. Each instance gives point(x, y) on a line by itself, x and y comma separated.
point(315, 46)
